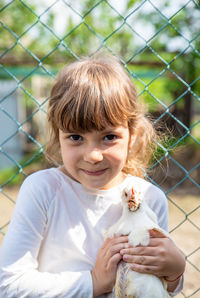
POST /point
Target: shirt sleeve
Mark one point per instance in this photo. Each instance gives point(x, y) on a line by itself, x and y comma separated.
point(19, 274)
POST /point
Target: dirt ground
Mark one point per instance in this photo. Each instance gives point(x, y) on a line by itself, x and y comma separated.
point(184, 224)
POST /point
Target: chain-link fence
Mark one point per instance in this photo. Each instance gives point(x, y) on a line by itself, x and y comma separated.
point(158, 44)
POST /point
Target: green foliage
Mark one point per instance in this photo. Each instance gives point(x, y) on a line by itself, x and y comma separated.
point(30, 163)
point(131, 3)
point(11, 175)
point(96, 25)
point(21, 29)
point(17, 17)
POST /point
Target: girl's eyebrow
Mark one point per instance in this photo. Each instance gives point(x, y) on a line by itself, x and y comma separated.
point(112, 130)
point(72, 131)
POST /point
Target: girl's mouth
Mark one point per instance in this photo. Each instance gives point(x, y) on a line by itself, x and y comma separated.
point(94, 173)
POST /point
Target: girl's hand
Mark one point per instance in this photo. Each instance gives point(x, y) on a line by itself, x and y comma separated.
point(161, 257)
point(104, 272)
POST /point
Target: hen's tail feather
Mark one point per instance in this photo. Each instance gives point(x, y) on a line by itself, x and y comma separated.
point(121, 281)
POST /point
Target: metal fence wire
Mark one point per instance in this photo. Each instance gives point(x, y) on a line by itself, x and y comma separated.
point(158, 44)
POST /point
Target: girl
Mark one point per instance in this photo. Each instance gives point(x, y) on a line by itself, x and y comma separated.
point(54, 246)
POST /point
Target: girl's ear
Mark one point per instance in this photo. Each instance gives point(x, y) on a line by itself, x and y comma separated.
point(131, 141)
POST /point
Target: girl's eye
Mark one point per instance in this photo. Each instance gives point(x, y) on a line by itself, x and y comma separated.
point(110, 137)
point(75, 138)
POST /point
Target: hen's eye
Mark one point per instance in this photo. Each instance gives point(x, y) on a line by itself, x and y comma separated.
point(125, 193)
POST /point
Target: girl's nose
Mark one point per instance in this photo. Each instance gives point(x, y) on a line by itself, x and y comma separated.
point(93, 155)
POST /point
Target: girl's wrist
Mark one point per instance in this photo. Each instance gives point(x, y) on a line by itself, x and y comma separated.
point(173, 279)
point(95, 284)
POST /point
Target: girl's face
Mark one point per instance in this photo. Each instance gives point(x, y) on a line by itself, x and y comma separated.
point(95, 159)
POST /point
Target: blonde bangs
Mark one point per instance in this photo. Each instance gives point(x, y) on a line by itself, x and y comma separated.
point(88, 117)
point(88, 113)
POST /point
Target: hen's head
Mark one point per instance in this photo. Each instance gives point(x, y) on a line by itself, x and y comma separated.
point(132, 198)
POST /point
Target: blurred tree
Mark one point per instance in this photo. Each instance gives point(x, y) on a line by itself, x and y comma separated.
point(177, 43)
point(23, 36)
point(145, 34)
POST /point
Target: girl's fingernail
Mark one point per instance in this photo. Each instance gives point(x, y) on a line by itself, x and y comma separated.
point(122, 251)
point(125, 257)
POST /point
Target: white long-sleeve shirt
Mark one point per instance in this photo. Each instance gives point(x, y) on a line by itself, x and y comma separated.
point(56, 231)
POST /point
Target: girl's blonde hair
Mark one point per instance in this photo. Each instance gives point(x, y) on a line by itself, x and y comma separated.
point(91, 94)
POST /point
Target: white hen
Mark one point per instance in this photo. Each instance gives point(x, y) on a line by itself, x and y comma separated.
point(136, 221)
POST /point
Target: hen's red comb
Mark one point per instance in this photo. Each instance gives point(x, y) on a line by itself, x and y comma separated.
point(133, 191)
